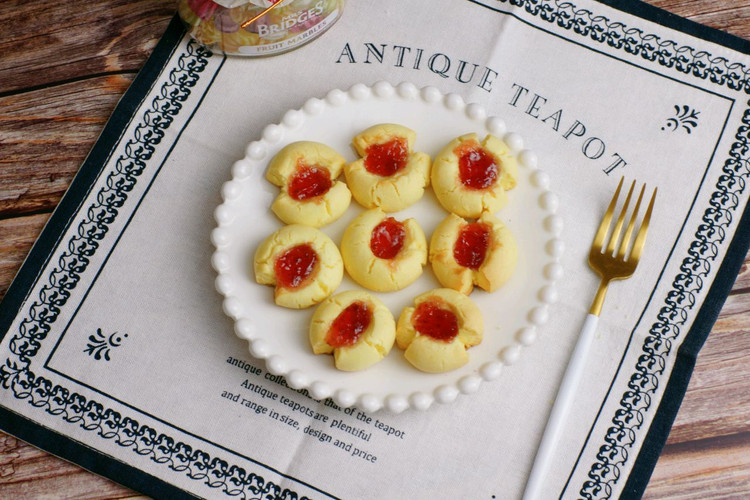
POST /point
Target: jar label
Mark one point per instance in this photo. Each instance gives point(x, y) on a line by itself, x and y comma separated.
point(269, 31)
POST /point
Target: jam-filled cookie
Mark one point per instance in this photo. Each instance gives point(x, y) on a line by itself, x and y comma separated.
point(470, 177)
point(302, 262)
point(464, 254)
point(356, 327)
point(439, 329)
point(381, 253)
point(389, 174)
point(306, 172)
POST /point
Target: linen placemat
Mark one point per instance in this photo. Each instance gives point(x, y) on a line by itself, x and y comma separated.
point(116, 353)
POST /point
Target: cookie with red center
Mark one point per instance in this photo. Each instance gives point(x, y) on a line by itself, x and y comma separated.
point(389, 175)
point(470, 177)
point(306, 172)
point(302, 263)
point(464, 254)
point(381, 253)
point(436, 333)
point(356, 327)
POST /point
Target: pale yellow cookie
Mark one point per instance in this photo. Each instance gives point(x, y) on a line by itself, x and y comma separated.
point(381, 253)
point(439, 329)
point(464, 254)
point(356, 327)
point(470, 177)
point(389, 175)
point(306, 172)
point(302, 262)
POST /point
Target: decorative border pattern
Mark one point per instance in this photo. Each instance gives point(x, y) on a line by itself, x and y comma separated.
point(618, 35)
point(75, 408)
point(232, 480)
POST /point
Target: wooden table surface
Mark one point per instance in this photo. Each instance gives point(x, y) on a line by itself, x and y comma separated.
point(63, 67)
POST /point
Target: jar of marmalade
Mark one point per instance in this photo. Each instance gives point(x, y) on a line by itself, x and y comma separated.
point(227, 26)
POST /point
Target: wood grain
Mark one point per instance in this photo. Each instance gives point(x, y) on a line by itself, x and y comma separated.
point(44, 43)
point(730, 16)
point(715, 468)
point(37, 474)
point(16, 237)
point(62, 70)
point(45, 138)
point(742, 283)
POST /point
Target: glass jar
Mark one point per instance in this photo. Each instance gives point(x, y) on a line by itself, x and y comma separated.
point(223, 25)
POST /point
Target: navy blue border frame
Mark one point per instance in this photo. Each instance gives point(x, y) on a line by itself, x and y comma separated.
point(107, 466)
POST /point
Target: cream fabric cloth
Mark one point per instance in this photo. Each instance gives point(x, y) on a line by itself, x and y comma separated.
point(597, 93)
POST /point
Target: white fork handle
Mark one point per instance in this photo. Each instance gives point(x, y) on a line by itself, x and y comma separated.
point(565, 396)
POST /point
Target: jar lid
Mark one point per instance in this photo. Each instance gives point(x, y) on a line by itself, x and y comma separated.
point(260, 3)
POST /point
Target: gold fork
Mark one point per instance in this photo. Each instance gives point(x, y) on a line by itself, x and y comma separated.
point(615, 261)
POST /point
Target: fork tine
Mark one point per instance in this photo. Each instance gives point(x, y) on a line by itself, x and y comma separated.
point(620, 221)
point(631, 226)
point(640, 239)
point(601, 233)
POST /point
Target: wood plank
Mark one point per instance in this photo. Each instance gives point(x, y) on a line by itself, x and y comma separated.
point(46, 134)
point(16, 237)
point(715, 469)
point(46, 42)
point(742, 283)
point(26, 472)
point(732, 16)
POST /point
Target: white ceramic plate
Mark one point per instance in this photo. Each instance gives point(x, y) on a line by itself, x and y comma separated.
point(280, 336)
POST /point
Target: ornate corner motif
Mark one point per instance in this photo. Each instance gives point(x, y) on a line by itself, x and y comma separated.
point(100, 345)
point(684, 118)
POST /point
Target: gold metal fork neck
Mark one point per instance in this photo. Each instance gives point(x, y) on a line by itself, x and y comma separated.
point(596, 305)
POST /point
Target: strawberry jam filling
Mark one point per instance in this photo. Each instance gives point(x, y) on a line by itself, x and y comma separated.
point(387, 158)
point(349, 325)
point(434, 321)
point(477, 168)
point(471, 245)
point(387, 238)
point(295, 265)
point(308, 182)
